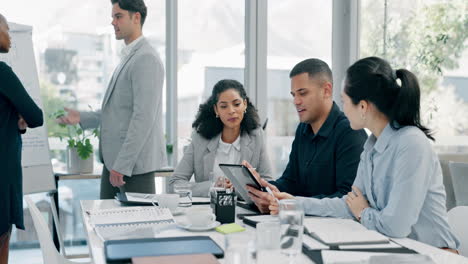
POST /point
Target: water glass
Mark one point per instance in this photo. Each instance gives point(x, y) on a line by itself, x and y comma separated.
point(184, 190)
point(239, 248)
point(268, 236)
point(217, 185)
point(291, 218)
point(217, 181)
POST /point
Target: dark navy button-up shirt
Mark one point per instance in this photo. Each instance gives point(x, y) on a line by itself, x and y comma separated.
point(323, 164)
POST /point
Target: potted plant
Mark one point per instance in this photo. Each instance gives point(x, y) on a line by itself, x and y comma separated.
point(79, 147)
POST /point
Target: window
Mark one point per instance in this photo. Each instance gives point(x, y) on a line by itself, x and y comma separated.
point(210, 49)
point(297, 30)
point(428, 38)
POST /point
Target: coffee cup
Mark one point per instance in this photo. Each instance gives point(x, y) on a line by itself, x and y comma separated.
point(200, 216)
point(170, 201)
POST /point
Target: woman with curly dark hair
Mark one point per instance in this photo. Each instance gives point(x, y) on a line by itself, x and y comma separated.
point(226, 130)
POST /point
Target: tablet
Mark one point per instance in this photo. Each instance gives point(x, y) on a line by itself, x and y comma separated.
point(124, 250)
point(240, 176)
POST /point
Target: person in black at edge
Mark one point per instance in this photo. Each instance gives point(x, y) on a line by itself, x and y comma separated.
point(17, 112)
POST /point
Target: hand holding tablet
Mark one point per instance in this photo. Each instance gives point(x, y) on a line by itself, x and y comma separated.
point(240, 176)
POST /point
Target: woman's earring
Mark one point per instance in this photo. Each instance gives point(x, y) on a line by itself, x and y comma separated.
point(217, 116)
point(363, 117)
point(245, 111)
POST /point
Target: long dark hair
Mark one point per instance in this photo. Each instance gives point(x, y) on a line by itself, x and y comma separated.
point(373, 79)
point(206, 122)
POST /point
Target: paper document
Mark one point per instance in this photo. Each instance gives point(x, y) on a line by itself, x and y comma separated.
point(338, 256)
point(147, 198)
point(370, 246)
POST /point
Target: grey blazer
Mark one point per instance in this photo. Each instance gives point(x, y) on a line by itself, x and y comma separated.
point(200, 154)
point(131, 139)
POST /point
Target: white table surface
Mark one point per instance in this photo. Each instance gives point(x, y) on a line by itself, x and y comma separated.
point(95, 244)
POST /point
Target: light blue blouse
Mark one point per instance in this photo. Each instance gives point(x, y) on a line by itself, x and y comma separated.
point(400, 176)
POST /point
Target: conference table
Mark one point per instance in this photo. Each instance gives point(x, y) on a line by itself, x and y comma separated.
point(96, 247)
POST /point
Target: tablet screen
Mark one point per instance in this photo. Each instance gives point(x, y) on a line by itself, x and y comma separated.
point(121, 250)
point(240, 176)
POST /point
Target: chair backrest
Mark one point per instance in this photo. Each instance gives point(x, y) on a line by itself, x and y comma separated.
point(459, 173)
point(447, 178)
point(457, 218)
point(264, 126)
point(49, 251)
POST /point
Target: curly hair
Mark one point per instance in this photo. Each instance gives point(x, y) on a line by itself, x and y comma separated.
point(206, 123)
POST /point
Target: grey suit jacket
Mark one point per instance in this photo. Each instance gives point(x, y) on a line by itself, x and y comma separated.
point(131, 138)
point(200, 154)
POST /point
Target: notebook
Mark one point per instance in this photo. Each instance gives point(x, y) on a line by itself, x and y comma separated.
point(334, 232)
point(130, 222)
point(132, 198)
point(253, 220)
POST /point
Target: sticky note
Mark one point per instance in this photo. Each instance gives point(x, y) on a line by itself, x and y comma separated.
point(230, 228)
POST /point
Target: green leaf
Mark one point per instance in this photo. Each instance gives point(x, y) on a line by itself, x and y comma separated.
point(84, 150)
point(71, 143)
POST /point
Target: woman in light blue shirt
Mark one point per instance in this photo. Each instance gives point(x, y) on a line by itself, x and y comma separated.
point(398, 189)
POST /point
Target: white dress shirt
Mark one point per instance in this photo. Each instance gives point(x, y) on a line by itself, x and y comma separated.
point(128, 48)
point(226, 153)
point(125, 52)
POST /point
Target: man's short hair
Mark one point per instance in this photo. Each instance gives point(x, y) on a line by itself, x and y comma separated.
point(314, 68)
point(133, 6)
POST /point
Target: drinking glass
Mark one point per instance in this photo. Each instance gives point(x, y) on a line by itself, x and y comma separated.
point(217, 185)
point(239, 248)
point(291, 218)
point(268, 236)
point(184, 190)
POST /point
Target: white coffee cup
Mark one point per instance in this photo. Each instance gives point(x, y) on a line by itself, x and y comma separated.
point(200, 216)
point(169, 200)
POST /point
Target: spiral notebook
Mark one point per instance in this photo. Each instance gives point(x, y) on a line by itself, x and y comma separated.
point(134, 222)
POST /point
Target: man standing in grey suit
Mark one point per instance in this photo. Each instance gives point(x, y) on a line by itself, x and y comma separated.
point(131, 142)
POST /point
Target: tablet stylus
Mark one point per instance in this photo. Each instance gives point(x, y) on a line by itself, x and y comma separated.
point(271, 193)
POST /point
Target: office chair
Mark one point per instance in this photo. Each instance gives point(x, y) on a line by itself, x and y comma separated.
point(457, 222)
point(459, 174)
point(265, 124)
point(50, 254)
point(444, 159)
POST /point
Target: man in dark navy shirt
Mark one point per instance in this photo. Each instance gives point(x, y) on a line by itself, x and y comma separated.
point(325, 152)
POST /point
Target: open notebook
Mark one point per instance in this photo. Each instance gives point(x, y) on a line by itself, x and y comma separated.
point(334, 232)
point(132, 198)
point(130, 222)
